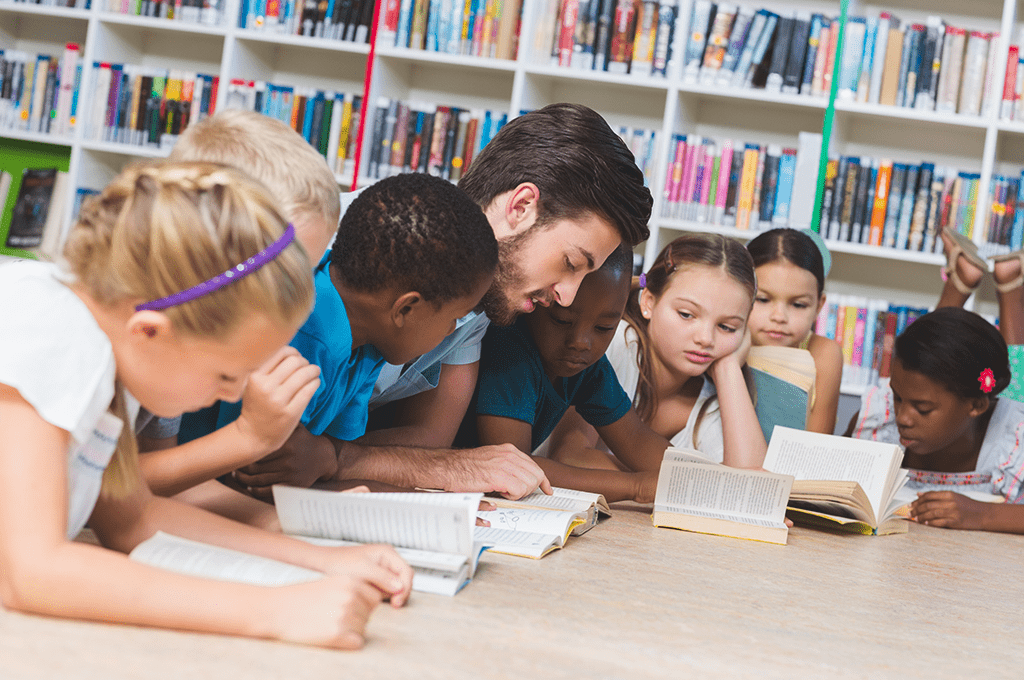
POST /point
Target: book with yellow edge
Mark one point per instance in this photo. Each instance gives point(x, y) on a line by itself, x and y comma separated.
point(537, 524)
point(697, 495)
point(850, 485)
point(783, 386)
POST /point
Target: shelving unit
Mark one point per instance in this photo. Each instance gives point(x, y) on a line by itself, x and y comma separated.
point(983, 144)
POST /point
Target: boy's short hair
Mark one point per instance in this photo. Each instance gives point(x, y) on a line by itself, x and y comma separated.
point(619, 262)
point(296, 174)
point(577, 162)
point(415, 232)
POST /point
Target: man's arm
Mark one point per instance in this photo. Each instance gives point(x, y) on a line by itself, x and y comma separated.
point(431, 418)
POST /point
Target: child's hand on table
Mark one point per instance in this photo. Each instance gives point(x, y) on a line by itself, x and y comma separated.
point(948, 509)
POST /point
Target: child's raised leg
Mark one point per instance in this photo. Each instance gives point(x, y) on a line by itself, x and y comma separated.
point(963, 271)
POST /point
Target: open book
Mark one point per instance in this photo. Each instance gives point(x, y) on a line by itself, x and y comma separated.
point(695, 494)
point(432, 532)
point(841, 483)
point(536, 524)
point(783, 381)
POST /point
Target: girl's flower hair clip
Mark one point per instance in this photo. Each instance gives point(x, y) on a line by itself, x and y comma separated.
point(643, 280)
point(987, 380)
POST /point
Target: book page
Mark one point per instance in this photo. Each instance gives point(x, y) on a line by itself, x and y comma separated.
point(418, 559)
point(810, 455)
point(720, 492)
point(678, 455)
point(537, 521)
point(439, 522)
point(192, 558)
point(516, 542)
point(542, 500)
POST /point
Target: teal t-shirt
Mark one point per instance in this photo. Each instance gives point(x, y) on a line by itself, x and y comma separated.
point(512, 384)
point(340, 405)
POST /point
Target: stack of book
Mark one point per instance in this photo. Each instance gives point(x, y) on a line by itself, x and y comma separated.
point(896, 205)
point(730, 46)
point(207, 12)
point(643, 144)
point(931, 66)
point(617, 36)
point(729, 183)
point(479, 28)
point(39, 93)
point(1005, 229)
point(866, 330)
point(327, 120)
point(418, 137)
point(146, 106)
point(332, 19)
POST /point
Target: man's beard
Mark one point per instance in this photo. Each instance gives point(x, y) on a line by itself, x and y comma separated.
point(498, 302)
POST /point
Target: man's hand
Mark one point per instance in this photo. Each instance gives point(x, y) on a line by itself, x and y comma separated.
point(949, 510)
point(304, 459)
point(503, 469)
point(275, 397)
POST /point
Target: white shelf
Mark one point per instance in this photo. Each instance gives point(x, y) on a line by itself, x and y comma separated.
point(45, 10)
point(431, 57)
point(132, 150)
point(160, 24)
point(43, 137)
point(245, 34)
point(886, 253)
point(753, 95)
point(564, 73)
point(917, 115)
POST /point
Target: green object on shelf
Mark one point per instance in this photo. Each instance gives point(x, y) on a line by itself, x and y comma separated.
point(15, 156)
point(830, 112)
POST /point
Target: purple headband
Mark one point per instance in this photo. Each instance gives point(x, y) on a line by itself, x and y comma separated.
point(221, 280)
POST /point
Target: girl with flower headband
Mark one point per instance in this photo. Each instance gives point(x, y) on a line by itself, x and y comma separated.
point(680, 348)
point(960, 438)
point(180, 280)
point(791, 267)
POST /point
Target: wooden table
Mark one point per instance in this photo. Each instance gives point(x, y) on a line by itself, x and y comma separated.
point(630, 601)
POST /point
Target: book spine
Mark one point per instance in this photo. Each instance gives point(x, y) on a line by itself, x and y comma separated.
point(867, 58)
point(794, 73)
point(972, 86)
point(907, 208)
point(828, 196)
point(853, 50)
point(787, 172)
point(602, 40)
point(748, 179)
point(878, 210)
point(769, 184)
point(700, 19)
point(1009, 102)
point(717, 43)
point(917, 222)
point(952, 67)
point(738, 37)
point(667, 13)
point(878, 57)
point(757, 26)
point(780, 52)
point(621, 48)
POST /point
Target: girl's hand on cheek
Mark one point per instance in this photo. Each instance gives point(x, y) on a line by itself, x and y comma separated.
point(734, 359)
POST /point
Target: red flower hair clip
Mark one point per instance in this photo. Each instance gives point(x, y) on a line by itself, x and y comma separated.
point(987, 380)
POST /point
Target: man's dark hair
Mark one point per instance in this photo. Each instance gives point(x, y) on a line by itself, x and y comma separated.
point(415, 232)
point(579, 164)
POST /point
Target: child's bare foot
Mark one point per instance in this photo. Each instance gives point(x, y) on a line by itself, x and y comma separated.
point(1007, 271)
point(962, 261)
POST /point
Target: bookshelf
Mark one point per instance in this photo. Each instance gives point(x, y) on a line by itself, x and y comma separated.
point(984, 144)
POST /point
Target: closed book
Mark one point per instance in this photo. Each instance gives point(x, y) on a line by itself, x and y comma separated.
point(723, 183)
point(757, 28)
point(760, 63)
point(732, 194)
point(861, 232)
point(1008, 102)
point(793, 74)
point(31, 207)
point(867, 59)
point(835, 210)
point(780, 53)
point(663, 37)
point(602, 34)
point(831, 54)
point(853, 51)
point(931, 49)
point(811, 53)
point(828, 196)
point(784, 188)
point(973, 81)
point(849, 198)
point(643, 40)
point(917, 34)
point(755, 211)
point(991, 89)
point(952, 69)
point(907, 207)
point(891, 74)
point(717, 42)
point(915, 240)
point(620, 50)
point(805, 180)
point(769, 183)
point(883, 182)
point(821, 59)
point(879, 55)
point(748, 179)
point(737, 40)
point(701, 16)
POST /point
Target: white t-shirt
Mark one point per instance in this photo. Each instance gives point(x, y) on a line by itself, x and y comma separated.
point(60, 361)
point(623, 352)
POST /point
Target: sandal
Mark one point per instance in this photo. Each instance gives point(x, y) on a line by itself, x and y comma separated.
point(1015, 283)
point(966, 247)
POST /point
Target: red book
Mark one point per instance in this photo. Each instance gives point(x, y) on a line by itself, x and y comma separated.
point(888, 342)
point(567, 31)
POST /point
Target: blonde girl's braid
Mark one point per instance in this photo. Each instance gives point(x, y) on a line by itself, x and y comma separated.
point(160, 228)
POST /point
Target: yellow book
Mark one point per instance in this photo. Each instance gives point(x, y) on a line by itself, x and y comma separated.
point(748, 178)
point(346, 123)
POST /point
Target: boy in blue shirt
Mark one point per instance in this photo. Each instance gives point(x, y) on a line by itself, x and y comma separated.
point(532, 372)
point(413, 255)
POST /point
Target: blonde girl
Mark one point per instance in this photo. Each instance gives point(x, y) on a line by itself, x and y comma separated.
point(180, 281)
point(791, 273)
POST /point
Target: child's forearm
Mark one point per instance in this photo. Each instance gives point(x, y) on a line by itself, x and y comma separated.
point(743, 442)
point(614, 485)
point(170, 471)
point(1004, 517)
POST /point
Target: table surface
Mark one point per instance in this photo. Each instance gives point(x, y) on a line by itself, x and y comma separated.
point(628, 600)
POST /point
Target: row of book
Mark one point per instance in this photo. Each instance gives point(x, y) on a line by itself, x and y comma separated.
point(420, 137)
point(327, 120)
point(480, 28)
point(332, 19)
point(931, 66)
point(644, 145)
point(896, 205)
point(1004, 231)
point(208, 12)
point(81, 4)
point(866, 330)
point(39, 92)
point(746, 186)
point(731, 46)
point(617, 36)
point(146, 106)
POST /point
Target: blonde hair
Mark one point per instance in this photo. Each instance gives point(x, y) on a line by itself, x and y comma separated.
point(160, 228)
point(271, 152)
